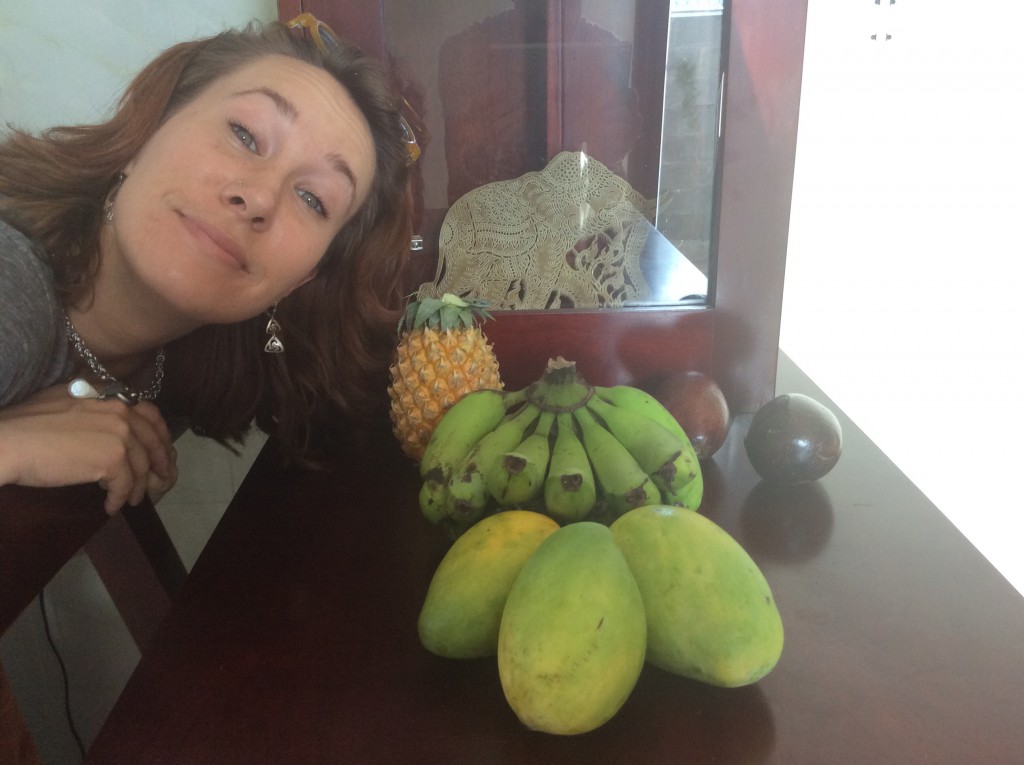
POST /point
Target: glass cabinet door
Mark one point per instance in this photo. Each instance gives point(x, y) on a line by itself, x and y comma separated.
point(684, 111)
point(501, 90)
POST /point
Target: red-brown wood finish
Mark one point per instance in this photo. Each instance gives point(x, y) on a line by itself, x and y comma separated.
point(762, 102)
point(40, 529)
point(294, 639)
point(16, 745)
point(635, 346)
point(764, 59)
point(139, 566)
point(650, 52)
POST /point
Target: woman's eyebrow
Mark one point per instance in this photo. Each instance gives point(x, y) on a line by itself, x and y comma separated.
point(288, 110)
point(339, 164)
point(284, 106)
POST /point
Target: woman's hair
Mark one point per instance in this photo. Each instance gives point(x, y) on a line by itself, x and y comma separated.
point(338, 328)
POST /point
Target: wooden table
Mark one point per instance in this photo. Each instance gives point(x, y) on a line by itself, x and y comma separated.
point(294, 637)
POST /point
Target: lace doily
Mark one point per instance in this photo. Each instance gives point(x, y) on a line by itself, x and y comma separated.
point(567, 236)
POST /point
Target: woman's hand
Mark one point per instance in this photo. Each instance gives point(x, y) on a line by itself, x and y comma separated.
point(52, 439)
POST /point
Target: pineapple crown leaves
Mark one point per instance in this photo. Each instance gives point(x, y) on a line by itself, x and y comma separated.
point(445, 313)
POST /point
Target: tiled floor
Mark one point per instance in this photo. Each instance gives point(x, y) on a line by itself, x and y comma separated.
point(90, 636)
point(209, 477)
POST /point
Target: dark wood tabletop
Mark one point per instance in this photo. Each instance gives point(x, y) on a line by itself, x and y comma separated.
point(294, 637)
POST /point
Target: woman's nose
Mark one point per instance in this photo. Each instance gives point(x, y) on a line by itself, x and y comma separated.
point(251, 199)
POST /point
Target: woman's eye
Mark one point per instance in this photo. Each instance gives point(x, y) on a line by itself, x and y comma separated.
point(313, 202)
point(244, 136)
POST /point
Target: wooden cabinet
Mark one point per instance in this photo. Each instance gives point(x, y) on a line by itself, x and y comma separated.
point(519, 85)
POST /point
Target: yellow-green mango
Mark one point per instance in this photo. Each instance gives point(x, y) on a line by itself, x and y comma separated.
point(461, 612)
point(573, 634)
point(710, 613)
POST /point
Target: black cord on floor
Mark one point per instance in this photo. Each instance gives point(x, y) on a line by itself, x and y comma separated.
point(64, 674)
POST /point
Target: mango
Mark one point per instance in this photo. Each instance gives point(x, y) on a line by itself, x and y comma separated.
point(710, 612)
point(573, 635)
point(461, 613)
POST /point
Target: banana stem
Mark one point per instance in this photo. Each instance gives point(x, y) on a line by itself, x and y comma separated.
point(561, 388)
point(514, 398)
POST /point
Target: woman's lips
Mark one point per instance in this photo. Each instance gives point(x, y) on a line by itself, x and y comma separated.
point(218, 243)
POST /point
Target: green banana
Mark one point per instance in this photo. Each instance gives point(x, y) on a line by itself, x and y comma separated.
point(517, 476)
point(433, 498)
point(624, 483)
point(468, 498)
point(460, 428)
point(466, 422)
point(689, 495)
point(569, 489)
point(666, 456)
point(642, 403)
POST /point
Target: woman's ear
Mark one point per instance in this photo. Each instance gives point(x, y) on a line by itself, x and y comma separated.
point(304, 280)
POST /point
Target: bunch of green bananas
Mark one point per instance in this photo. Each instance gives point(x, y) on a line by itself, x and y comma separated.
point(560, 446)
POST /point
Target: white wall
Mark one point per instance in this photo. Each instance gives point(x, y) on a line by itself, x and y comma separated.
point(67, 61)
point(903, 290)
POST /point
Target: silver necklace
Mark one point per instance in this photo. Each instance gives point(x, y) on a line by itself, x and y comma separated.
point(80, 388)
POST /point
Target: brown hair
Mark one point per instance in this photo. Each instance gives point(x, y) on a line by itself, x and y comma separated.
point(338, 328)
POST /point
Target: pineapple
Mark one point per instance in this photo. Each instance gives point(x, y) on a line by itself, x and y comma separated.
point(442, 355)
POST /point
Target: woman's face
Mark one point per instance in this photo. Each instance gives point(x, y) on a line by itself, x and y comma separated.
point(233, 201)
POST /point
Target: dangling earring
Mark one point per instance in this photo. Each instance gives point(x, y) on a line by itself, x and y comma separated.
point(108, 205)
point(274, 344)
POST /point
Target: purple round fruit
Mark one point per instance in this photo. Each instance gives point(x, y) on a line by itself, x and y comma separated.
point(698, 404)
point(793, 439)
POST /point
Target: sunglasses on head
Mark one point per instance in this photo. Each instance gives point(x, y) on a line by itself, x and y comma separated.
point(327, 42)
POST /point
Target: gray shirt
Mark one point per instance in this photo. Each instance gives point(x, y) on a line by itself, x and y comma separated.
point(34, 351)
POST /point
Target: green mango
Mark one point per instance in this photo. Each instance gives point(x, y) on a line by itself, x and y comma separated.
point(710, 613)
point(461, 612)
point(573, 634)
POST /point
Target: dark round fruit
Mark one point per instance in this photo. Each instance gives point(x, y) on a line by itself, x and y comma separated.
point(793, 438)
point(696, 401)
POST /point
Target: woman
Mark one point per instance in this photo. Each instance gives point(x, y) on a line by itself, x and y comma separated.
point(225, 249)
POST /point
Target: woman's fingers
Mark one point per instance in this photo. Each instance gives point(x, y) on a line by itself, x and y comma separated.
point(153, 432)
point(157, 486)
point(149, 454)
point(61, 441)
point(131, 448)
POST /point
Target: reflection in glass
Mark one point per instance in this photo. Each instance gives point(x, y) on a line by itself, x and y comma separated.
point(504, 88)
point(690, 133)
point(517, 84)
